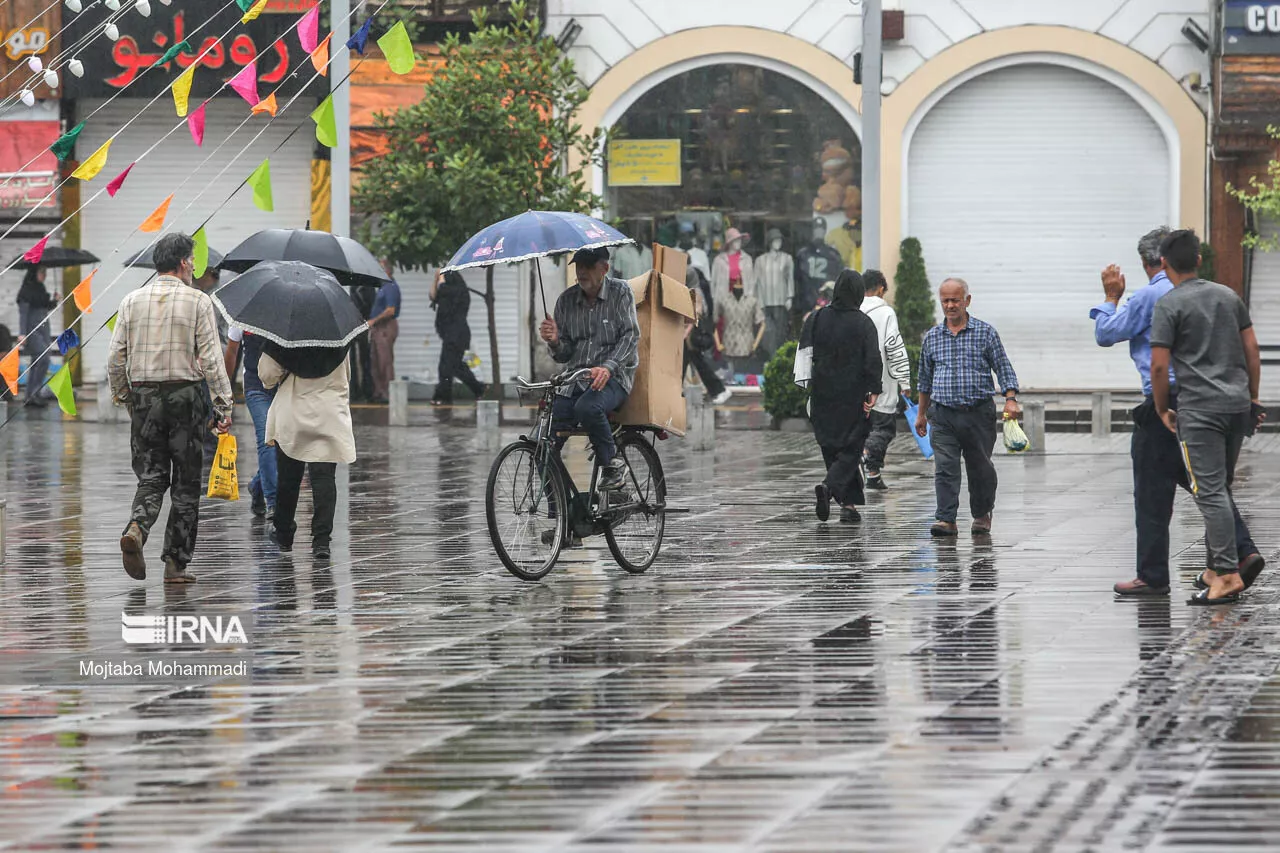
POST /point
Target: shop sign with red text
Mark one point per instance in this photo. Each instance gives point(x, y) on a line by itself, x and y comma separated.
point(28, 169)
point(223, 46)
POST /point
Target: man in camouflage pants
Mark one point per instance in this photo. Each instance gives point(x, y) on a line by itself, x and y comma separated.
point(164, 346)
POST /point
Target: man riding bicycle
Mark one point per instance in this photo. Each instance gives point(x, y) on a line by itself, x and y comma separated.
point(595, 328)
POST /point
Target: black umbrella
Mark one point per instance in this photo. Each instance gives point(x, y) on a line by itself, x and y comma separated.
point(291, 304)
point(307, 362)
point(57, 256)
point(351, 263)
point(144, 259)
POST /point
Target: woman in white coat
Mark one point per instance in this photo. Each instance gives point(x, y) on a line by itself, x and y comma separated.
point(310, 425)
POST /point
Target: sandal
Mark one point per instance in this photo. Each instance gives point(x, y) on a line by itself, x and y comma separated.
point(1250, 567)
point(1202, 599)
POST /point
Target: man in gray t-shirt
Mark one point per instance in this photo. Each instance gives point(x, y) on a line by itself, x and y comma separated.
point(1204, 328)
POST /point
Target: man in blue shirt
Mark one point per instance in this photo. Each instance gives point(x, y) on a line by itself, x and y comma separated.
point(1158, 468)
point(384, 328)
point(957, 359)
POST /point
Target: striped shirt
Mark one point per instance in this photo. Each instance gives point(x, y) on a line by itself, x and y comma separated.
point(955, 369)
point(606, 334)
point(167, 332)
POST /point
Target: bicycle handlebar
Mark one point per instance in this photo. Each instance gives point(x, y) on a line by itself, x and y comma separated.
point(555, 381)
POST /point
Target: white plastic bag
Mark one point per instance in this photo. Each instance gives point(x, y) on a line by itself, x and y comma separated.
point(1014, 438)
point(803, 371)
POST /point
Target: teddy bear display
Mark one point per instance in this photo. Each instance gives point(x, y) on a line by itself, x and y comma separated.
point(837, 176)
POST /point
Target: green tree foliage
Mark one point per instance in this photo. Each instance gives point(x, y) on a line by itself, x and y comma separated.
point(492, 137)
point(913, 300)
point(1262, 197)
point(783, 398)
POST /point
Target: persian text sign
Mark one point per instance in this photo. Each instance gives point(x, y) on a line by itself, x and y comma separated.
point(20, 143)
point(112, 66)
point(644, 163)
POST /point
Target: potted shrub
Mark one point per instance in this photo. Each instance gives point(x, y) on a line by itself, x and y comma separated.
point(783, 399)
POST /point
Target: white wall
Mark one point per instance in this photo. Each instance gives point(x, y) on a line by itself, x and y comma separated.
point(612, 30)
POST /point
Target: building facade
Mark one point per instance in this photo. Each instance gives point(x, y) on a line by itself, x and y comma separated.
point(1026, 145)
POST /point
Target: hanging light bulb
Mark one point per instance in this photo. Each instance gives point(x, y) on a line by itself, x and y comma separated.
point(143, 7)
point(74, 6)
point(113, 5)
point(76, 67)
point(112, 31)
point(51, 78)
point(35, 64)
point(28, 97)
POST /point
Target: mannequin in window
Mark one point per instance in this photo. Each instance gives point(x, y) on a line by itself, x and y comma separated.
point(634, 259)
point(690, 245)
point(775, 288)
point(733, 264)
point(744, 327)
point(816, 264)
point(847, 239)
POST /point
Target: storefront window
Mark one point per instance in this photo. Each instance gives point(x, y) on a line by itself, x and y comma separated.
point(755, 151)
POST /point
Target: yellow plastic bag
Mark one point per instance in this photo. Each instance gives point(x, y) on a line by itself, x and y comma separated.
point(1014, 438)
point(223, 482)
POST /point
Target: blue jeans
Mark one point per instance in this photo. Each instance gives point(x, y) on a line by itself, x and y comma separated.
point(590, 409)
point(259, 403)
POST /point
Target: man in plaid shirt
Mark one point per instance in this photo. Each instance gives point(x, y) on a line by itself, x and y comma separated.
point(164, 345)
point(956, 362)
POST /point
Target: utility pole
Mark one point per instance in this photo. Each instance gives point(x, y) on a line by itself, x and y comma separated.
point(340, 87)
point(872, 23)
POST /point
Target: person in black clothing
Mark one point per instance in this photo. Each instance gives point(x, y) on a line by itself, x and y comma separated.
point(451, 300)
point(361, 363)
point(845, 383)
point(699, 338)
point(34, 305)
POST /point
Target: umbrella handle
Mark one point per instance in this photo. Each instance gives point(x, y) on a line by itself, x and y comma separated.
point(541, 290)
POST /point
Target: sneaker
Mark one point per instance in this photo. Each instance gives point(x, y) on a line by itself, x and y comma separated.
point(320, 550)
point(822, 506)
point(722, 398)
point(849, 515)
point(284, 547)
point(270, 514)
point(876, 483)
point(258, 504)
point(174, 573)
point(614, 477)
point(131, 550)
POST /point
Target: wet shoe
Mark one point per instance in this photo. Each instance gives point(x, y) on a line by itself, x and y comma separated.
point(173, 573)
point(549, 536)
point(981, 526)
point(849, 515)
point(285, 547)
point(1138, 589)
point(270, 514)
point(944, 528)
point(876, 483)
point(321, 551)
point(722, 398)
point(1202, 599)
point(613, 478)
point(822, 506)
point(1250, 567)
point(131, 550)
point(258, 502)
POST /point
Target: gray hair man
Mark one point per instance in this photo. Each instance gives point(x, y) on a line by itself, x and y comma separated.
point(1158, 469)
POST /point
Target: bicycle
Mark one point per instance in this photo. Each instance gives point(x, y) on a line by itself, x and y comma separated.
point(532, 504)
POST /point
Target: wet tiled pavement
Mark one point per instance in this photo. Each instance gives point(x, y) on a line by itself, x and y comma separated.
point(771, 684)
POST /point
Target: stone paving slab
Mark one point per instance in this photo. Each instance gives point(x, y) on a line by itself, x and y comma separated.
point(771, 684)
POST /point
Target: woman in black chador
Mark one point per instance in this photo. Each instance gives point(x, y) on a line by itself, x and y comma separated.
point(844, 385)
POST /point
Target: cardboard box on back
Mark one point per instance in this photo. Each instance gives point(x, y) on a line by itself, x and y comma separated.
point(663, 304)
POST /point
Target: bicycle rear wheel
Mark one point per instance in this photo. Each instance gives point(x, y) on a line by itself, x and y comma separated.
point(526, 509)
point(635, 533)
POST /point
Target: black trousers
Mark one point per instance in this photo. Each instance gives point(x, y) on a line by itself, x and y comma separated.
point(166, 439)
point(844, 473)
point(452, 366)
point(1158, 472)
point(968, 434)
point(884, 427)
point(324, 498)
point(698, 358)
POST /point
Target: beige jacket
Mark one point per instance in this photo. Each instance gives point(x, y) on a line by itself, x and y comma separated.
point(310, 419)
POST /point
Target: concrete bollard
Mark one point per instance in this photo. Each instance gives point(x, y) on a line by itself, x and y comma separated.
point(108, 412)
point(700, 430)
point(1033, 424)
point(398, 403)
point(488, 424)
point(1102, 413)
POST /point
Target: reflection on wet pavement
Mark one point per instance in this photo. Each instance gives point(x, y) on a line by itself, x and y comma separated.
point(770, 684)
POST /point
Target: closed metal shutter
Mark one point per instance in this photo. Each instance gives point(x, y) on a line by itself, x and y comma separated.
point(1264, 309)
point(107, 222)
point(1026, 182)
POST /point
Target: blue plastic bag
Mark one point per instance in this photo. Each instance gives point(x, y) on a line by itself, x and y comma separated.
point(926, 446)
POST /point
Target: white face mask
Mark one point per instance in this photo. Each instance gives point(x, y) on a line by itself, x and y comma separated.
point(735, 246)
point(776, 245)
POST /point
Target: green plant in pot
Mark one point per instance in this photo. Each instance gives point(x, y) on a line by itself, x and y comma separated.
point(783, 399)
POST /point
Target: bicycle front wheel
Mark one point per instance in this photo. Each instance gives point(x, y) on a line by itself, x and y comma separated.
point(634, 533)
point(526, 508)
